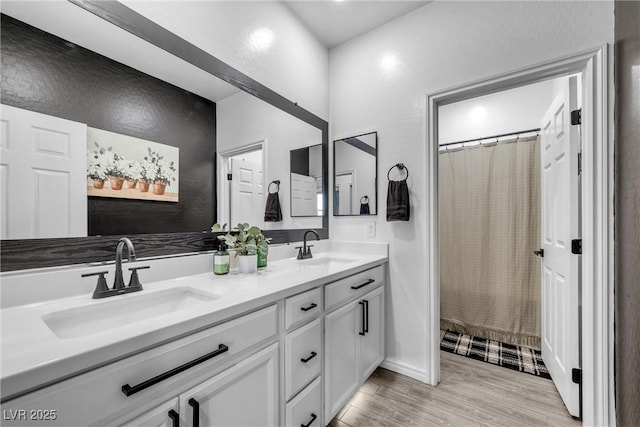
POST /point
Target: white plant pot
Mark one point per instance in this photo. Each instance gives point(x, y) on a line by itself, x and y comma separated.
point(248, 263)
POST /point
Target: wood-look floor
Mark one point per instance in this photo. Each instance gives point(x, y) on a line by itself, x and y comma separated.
point(471, 393)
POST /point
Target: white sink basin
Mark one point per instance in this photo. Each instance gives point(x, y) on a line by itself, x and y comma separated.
point(326, 261)
point(122, 311)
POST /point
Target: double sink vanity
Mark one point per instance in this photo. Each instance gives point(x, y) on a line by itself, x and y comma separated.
point(288, 345)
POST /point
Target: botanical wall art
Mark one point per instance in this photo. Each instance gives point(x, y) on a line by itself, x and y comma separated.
point(131, 168)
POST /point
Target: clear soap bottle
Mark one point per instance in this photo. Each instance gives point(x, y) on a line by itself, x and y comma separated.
point(221, 260)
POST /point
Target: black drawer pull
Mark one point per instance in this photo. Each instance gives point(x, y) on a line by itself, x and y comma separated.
point(128, 390)
point(175, 417)
point(368, 282)
point(313, 418)
point(366, 307)
point(312, 305)
point(363, 331)
point(311, 356)
point(196, 411)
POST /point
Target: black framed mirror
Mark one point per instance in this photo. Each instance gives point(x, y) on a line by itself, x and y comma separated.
point(33, 253)
point(355, 175)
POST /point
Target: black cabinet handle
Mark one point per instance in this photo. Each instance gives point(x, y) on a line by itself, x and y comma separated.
point(311, 356)
point(128, 390)
point(309, 307)
point(313, 418)
point(368, 282)
point(362, 332)
point(366, 325)
point(196, 411)
point(175, 417)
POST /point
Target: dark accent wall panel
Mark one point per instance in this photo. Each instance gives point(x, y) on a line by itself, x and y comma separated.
point(627, 211)
point(299, 161)
point(46, 74)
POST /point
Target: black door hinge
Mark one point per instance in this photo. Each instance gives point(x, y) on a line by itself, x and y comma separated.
point(576, 117)
point(579, 162)
point(229, 177)
point(576, 246)
point(576, 375)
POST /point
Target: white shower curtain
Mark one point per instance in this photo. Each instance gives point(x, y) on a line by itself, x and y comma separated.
point(489, 219)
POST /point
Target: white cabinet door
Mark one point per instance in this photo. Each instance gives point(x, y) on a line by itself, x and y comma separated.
point(354, 347)
point(165, 415)
point(244, 395)
point(372, 343)
point(341, 367)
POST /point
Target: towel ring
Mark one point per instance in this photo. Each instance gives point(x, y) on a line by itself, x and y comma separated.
point(401, 167)
point(277, 183)
point(366, 199)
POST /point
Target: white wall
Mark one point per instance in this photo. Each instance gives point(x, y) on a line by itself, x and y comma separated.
point(244, 120)
point(508, 111)
point(294, 64)
point(379, 81)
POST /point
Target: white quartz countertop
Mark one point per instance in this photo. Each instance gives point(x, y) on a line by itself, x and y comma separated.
point(33, 355)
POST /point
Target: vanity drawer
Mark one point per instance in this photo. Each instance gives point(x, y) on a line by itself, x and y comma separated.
point(302, 307)
point(306, 408)
point(96, 397)
point(346, 289)
point(303, 356)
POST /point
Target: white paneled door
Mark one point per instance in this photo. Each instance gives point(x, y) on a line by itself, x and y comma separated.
point(560, 145)
point(303, 195)
point(43, 175)
point(247, 201)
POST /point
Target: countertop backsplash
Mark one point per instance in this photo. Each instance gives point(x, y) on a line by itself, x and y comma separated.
point(38, 285)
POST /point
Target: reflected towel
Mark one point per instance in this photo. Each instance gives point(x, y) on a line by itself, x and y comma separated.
point(272, 211)
point(364, 209)
point(398, 201)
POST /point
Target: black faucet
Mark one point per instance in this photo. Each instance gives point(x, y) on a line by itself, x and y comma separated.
point(304, 251)
point(102, 290)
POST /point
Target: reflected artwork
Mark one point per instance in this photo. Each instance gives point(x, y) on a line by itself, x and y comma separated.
point(125, 167)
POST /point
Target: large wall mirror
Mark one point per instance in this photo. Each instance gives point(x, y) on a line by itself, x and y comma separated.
point(194, 102)
point(355, 166)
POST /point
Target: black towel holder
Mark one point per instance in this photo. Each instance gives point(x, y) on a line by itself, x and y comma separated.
point(364, 197)
point(401, 167)
point(277, 183)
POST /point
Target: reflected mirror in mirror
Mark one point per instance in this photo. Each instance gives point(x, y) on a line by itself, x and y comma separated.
point(355, 166)
point(306, 181)
point(109, 79)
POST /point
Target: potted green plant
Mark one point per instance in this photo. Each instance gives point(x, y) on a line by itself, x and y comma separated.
point(247, 242)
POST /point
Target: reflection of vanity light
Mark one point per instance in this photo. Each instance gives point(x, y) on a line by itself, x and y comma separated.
point(478, 113)
point(389, 63)
point(261, 39)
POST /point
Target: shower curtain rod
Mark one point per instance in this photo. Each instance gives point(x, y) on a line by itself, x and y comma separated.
point(490, 137)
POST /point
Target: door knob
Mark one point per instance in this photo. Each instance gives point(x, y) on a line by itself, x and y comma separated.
point(539, 252)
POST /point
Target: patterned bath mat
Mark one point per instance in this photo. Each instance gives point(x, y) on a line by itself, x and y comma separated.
point(518, 358)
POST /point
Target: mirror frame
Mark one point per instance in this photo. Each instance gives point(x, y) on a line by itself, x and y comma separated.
point(375, 184)
point(39, 253)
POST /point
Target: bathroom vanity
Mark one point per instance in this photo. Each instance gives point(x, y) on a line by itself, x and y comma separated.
point(289, 345)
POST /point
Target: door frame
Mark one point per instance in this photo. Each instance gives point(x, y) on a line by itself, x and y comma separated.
point(222, 168)
point(598, 399)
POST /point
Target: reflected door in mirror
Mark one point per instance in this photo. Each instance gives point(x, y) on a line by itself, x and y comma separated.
point(306, 181)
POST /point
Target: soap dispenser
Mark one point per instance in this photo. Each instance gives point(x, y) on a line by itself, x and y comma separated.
point(221, 260)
